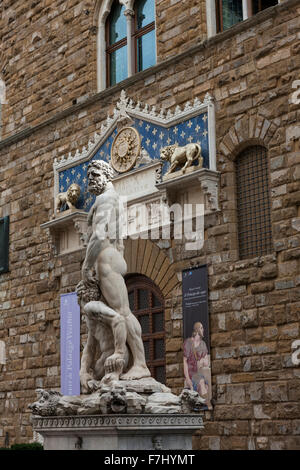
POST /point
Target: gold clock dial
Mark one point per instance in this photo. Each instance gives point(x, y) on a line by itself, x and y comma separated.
point(125, 149)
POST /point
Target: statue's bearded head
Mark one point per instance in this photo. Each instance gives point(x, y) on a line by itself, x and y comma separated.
point(99, 174)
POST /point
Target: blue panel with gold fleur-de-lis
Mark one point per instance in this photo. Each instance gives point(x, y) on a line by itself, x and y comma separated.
point(153, 138)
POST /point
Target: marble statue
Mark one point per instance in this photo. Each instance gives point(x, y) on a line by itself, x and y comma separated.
point(68, 199)
point(110, 321)
point(113, 374)
point(182, 157)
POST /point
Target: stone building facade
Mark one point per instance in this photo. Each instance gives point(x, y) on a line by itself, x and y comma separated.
point(53, 107)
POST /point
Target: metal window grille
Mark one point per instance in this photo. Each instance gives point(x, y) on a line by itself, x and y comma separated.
point(147, 304)
point(253, 203)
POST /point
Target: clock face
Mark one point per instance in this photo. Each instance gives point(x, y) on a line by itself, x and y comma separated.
point(125, 149)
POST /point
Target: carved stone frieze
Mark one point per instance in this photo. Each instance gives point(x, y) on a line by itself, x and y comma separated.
point(194, 421)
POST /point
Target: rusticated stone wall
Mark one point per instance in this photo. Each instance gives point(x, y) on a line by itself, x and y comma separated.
point(254, 304)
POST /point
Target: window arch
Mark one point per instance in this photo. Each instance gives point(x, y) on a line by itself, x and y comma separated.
point(126, 41)
point(147, 304)
point(253, 202)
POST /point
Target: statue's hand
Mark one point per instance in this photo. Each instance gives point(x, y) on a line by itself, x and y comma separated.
point(80, 288)
point(86, 275)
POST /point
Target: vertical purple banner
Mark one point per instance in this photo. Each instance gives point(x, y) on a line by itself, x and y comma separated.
point(70, 344)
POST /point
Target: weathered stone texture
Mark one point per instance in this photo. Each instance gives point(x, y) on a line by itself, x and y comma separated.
point(255, 303)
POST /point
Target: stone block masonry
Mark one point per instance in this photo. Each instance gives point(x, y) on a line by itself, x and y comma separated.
point(254, 303)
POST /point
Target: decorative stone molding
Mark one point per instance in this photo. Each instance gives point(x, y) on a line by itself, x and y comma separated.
point(123, 432)
point(253, 130)
point(68, 232)
point(132, 422)
point(209, 186)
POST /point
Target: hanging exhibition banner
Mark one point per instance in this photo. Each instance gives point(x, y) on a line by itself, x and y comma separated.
point(70, 344)
point(196, 348)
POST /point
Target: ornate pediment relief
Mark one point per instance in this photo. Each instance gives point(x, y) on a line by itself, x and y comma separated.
point(155, 128)
point(132, 140)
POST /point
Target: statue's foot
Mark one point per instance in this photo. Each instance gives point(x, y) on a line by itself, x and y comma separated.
point(136, 372)
point(114, 363)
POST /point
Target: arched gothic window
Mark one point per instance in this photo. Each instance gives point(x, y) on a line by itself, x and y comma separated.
point(253, 202)
point(147, 304)
point(116, 40)
point(126, 40)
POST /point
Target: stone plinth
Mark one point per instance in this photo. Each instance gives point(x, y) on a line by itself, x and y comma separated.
point(118, 432)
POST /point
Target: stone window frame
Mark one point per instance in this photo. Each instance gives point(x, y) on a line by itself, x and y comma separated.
point(211, 15)
point(248, 130)
point(103, 9)
point(2, 103)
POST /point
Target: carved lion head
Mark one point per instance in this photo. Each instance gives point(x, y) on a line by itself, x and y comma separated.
point(73, 193)
point(167, 152)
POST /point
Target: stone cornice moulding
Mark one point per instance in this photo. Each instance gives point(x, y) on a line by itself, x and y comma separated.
point(123, 422)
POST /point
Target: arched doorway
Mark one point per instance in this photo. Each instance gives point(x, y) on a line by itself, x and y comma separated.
point(147, 304)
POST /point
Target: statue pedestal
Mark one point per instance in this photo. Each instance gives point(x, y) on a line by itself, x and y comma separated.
point(118, 432)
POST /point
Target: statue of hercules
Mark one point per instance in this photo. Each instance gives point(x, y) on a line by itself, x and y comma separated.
point(110, 322)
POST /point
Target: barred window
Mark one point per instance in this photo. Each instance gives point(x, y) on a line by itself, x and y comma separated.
point(253, 203)
point(147, 304)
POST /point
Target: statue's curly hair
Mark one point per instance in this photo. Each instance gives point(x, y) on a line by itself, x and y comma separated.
point(105, 167)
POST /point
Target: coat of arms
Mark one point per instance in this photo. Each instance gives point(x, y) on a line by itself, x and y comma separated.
point(125, 149)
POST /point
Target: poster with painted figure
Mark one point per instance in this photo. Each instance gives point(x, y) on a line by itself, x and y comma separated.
point(196, 345)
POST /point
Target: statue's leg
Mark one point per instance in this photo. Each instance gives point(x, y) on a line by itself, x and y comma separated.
point(139, 368)
point(115, 362)
point(172, 167)
point(111, 268)
point(188, 163)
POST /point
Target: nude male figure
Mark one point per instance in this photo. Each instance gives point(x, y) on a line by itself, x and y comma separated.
point(105, 253)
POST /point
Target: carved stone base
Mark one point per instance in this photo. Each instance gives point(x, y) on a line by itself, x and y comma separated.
point(118, 432)
point(178, 173)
